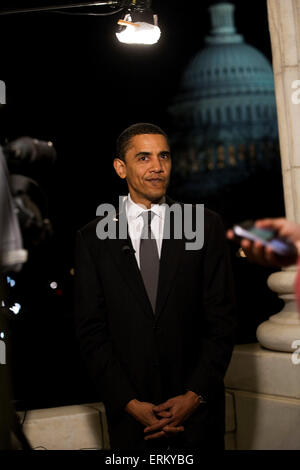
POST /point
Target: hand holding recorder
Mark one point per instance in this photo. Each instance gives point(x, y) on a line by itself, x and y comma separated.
point(269, 242)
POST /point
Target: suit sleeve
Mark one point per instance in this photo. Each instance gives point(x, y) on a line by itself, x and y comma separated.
point(96, 345)
point(219, 315)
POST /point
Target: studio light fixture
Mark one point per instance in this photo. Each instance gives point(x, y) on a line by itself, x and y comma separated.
point(139, 25)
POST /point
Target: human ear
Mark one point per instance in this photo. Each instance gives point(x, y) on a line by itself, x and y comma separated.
point(120, 167)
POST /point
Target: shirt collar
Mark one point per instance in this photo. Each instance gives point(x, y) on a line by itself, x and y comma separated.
point(134, 210)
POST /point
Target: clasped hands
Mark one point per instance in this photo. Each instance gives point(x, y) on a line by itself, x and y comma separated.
point(166, 419)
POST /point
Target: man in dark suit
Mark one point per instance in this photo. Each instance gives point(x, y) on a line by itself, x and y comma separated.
point(155, 320)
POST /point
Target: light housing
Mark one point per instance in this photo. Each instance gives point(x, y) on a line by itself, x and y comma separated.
point(139, 25)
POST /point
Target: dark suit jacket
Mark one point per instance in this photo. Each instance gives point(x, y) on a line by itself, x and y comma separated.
point(187, 345)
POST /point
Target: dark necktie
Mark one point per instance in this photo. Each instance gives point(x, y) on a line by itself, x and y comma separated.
point(149, 259)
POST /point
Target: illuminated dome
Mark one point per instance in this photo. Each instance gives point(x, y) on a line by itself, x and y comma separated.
point(224, 116)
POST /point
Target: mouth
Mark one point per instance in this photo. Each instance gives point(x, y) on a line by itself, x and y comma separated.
point(155, 180)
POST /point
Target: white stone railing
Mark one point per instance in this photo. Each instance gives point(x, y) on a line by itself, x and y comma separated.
point(265, 389)
point(84, 427)
point(77, 427)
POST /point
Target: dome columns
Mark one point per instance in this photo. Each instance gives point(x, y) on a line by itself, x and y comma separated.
point(282, 331)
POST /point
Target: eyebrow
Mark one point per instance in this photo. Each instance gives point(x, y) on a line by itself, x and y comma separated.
point(145, 154)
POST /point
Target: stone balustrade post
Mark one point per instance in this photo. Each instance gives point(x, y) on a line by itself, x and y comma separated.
point(282, 330)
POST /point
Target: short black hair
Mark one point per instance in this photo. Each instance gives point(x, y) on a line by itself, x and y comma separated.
point(132, 131)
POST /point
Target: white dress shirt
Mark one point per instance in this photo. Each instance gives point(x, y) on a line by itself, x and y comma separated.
point(136, 224)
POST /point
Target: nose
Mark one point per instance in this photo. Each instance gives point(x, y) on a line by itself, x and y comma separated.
point(157, 165)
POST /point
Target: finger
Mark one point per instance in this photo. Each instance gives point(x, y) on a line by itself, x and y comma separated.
point(155, 435)
point(230, 234)
point(157, 426)
point(246, 244)
point(259, 254)
point(283, 227)
point(265, 255)
point(279, 261)
point(270, 256)
point(255, 253)
point(164, 414)
point(162, 407)
point(291, 231)
point(173, 429)
point(258, 249)
point(271, 223)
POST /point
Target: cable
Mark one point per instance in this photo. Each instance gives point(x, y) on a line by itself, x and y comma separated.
point(55, 7)
point(124, 5)
point(87, 14)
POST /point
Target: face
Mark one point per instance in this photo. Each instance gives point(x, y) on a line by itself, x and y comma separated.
point(146, 168)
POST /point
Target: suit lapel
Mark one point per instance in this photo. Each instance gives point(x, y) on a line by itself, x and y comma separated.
point(123, 254)
point(171, 254)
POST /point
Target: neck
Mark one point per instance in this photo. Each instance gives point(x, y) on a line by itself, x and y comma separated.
point(145, 202)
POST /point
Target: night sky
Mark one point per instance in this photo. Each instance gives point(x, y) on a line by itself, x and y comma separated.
point(70, 81)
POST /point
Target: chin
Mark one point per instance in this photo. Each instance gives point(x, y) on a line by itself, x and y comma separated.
point(157, 194)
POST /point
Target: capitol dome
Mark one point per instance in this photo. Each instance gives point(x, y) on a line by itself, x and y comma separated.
point(232, 69)
point(224, 116)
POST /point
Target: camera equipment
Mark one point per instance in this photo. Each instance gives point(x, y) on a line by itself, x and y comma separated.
point(22, 209)
point(23, 155)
